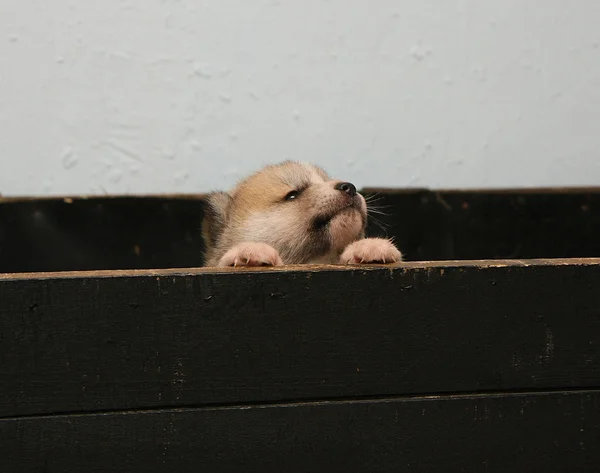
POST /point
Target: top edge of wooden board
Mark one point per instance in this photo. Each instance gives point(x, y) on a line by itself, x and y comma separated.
point(492, 190)
point(306, 268)
point(69, 198)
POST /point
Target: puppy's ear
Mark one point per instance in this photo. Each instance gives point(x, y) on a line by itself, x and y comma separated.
point(216, 213)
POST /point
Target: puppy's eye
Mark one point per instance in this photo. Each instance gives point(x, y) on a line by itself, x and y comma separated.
point(292, 195)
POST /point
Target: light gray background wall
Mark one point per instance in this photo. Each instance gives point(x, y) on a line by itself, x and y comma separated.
point(152, 96)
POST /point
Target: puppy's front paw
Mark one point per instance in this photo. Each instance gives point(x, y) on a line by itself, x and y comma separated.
point(371, 250)
point(251, 254)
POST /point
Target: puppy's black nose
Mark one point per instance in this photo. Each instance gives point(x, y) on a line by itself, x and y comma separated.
point(346, 187)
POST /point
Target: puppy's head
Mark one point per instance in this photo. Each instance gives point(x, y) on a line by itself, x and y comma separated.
point(294, 207)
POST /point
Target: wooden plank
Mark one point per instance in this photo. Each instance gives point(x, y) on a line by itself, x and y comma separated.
point(543, 432)
point(159, 339)
point(77, 233)
point(100, 233)
point(541, 223)
point(302, 268)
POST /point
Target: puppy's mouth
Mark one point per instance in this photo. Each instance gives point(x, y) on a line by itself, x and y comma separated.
point(321, 221)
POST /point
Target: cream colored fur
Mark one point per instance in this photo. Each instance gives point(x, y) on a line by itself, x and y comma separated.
point(256, 225)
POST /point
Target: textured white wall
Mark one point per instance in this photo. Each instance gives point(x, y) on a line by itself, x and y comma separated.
point(152, 96)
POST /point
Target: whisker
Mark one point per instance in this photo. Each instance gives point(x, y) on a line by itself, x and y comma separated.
point(371, 205)
point(371, 199)
point(383, 226)
point(374, 209)
point(378, 212)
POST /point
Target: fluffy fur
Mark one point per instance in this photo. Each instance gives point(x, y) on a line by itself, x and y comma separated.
point(290, 213)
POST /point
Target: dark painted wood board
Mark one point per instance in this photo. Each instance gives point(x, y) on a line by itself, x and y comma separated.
point(518, 223)
point(543, 432)
point(100, 233)
point(164, 231)
point(103, 341)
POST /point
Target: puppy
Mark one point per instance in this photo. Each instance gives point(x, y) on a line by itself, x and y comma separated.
point(290, 213)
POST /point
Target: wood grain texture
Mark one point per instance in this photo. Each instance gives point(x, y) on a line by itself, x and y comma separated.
point(91, 343)
point(545, 433)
